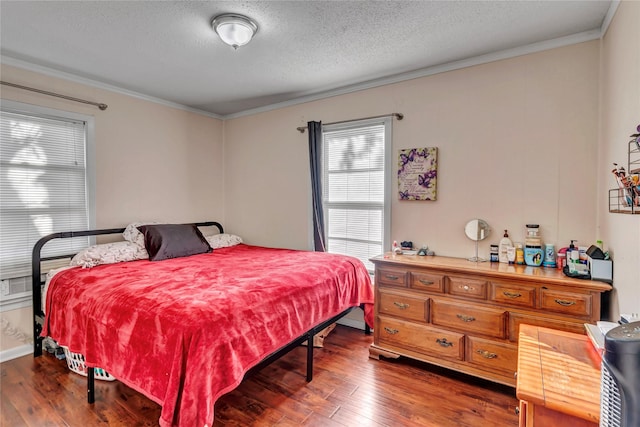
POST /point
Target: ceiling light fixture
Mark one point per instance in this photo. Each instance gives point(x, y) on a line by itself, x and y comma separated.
point(235, 30)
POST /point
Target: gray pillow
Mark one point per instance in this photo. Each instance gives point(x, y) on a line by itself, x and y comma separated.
point(165, 241)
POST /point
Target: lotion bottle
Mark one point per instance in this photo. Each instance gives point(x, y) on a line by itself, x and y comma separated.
point(573, 254)
point(505, 243)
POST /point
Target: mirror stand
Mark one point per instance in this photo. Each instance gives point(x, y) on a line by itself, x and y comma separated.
point(476, 230)
point(476, 258)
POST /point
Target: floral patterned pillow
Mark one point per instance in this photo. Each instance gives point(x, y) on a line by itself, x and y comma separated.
point(109, 253)
point(223, 240)
point(133, 235)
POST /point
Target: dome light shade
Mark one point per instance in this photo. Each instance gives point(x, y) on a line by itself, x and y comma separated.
point(234, 30)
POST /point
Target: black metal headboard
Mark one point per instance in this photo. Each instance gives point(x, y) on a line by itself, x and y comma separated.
point(36, 273)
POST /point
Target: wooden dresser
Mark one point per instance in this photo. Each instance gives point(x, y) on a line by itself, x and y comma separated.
point(558, 379)
point(465, 315)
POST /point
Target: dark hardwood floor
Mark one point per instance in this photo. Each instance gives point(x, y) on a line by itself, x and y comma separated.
point(348, 389)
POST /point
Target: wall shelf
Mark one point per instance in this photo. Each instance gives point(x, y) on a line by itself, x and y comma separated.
point(626, 200)
point(618, 202)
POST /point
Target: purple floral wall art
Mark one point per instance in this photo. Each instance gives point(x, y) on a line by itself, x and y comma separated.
point(417, 173)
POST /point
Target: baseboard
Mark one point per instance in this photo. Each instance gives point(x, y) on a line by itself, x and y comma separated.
point(14, 353)
point(357, 324)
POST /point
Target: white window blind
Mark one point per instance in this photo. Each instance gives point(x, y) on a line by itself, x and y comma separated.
point(43, 186)
point(355, 190)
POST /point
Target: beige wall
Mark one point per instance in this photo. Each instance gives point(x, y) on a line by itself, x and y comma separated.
point(619, 115)
point(517, 143)
point(153, 162)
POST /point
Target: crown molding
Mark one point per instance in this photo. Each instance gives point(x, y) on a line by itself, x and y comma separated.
point(429, 71)
point(424, 72)
point(14, 62)
point(613, 7)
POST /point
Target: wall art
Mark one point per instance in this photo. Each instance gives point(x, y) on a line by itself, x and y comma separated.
point(417, 173)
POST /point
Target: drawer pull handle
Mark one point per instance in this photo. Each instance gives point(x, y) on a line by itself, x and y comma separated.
point(401, 305)
point(390, 277)
point(426, 282)
point(564, 302)
point(467, 288)
point(391, 331)
point(512, 294)
point(486, 354)
point(465, 318)
point(444, 343)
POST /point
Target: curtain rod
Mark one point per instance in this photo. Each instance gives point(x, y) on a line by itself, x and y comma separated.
point(57, 95)
point(399, 116)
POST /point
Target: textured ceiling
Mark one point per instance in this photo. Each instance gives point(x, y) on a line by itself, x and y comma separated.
point(167, 49)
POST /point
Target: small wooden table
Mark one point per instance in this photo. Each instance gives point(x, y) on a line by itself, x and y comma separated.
point(558, 381)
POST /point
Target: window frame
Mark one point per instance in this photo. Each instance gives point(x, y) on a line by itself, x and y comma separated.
point(24, 299)
point(387, 122)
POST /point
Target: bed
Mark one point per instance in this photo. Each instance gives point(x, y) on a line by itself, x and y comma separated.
point(184, 328)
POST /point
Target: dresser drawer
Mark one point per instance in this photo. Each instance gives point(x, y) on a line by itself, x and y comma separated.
point(464, 286)
point(421, 339)
point(516, 319)
point(495, 356)
point(391, 277)
point(565, 302)
point(507, 293)
point(469, 317)
point(426, 281)
point(412, 307)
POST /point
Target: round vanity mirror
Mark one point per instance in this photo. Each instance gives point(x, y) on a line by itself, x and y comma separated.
point(476, 230)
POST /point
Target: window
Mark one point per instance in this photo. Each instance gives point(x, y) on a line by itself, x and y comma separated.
point(356, 187)
point(45, 187)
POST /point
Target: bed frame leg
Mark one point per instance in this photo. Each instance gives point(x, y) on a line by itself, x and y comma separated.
point(91, 394)
point(310, 356)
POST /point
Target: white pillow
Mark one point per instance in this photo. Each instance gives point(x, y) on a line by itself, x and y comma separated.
point(109, 253)
point(223, 240)
point(133, 235)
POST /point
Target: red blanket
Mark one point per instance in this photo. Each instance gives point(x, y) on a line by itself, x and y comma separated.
point(184, 331)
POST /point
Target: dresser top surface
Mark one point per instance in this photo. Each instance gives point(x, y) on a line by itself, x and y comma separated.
point(559, 370)
point(492, 269)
